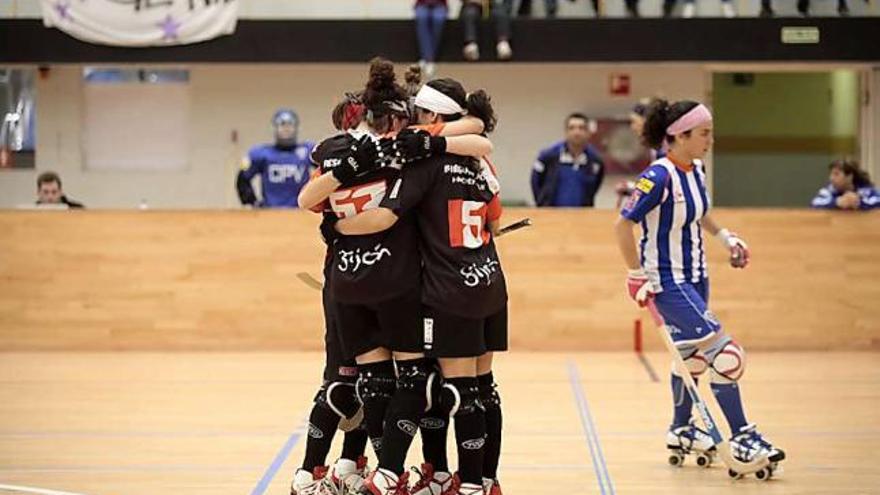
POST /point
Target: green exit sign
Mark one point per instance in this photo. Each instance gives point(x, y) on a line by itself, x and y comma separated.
point(800, 35)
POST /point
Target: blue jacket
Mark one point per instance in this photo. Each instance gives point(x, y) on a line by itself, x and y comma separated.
point(560, 179)
point(827, 198)
point(283, 172)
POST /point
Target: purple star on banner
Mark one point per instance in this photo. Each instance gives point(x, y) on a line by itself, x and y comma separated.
point(63, 9)
point(169, 28)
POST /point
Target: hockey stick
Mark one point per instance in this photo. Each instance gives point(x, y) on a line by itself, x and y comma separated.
point(525, 222)
point(736, 467)
point(310, 280)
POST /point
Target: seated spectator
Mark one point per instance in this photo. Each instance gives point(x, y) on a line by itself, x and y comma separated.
point(283, 167)
point(570, 172)
point(430, 18)
point(550, 8)
point(471, 11)
point(690, 8)
point(49, 191)
point(849, 188)
point(803, 7)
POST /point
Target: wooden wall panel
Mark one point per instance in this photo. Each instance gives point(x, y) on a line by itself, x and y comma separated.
point(224, 280)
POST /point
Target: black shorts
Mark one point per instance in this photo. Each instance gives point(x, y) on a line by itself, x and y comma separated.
point(395, 324)
point(449, 335)
point(336, 367)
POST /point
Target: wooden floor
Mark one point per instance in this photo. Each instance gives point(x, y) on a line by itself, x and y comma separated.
point(210, 423)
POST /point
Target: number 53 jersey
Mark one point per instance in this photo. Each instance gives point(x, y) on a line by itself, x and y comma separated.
point(454, 200)
point(367, 269)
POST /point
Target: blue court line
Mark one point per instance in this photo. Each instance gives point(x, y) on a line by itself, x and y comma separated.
point(273, 468)
point(599, 466)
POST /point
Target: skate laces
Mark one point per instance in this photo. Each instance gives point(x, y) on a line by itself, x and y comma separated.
point(426, 475)
point(315, 485)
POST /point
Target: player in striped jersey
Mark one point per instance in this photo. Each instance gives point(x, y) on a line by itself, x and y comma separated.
point(671, 204)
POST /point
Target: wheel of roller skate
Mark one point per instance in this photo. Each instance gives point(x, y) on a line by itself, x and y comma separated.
point(733, 474)
point(763, 474)
point(704, 460)
point(676, 460)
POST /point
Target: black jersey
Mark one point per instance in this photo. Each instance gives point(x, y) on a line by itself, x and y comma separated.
point(368, 268)
point(453, 205)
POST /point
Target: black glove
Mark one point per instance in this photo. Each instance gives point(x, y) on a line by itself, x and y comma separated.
point(412, 145)
point(246, 193)
point(328, 228)
point(363, 157)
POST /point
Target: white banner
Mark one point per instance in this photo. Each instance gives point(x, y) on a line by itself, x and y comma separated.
point(142, 22)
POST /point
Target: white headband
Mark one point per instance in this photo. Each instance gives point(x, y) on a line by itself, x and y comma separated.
point(432, 100)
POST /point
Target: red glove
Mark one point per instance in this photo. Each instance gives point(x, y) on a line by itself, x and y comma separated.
point(639, 287)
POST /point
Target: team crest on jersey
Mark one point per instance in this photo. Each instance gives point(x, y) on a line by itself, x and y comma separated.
point(645, 185)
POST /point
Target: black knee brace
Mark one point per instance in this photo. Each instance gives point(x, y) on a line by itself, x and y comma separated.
point(455, 402)
point(488, 392)
point(417, 378)
point(375, 387)
point(339, 397)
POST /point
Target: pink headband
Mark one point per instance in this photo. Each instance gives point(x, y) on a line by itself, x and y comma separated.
point(696, 117)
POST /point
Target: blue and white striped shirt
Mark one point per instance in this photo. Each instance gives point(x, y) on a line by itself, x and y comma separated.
point(669, 203)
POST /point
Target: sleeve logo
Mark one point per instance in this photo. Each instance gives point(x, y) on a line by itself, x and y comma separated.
point(644, 185)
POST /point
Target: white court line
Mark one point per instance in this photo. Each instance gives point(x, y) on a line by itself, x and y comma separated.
point(40, 491)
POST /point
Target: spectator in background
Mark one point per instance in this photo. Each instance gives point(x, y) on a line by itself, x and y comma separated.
point(550, 8)
point(803, 7)
point(430, 17)
point(471, 11)
point(49, 191)
point(625, 188)
point(690, 8)
point(283, 167)
point(570, 172)
point(849, 188)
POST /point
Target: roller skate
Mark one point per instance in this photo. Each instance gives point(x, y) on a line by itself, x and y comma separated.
point(384, 482)
point(459, 488)
point(431, 482)
point(314, 483)
point(748, 444)
point(348, 476)
point(491, 486)
point(689, 439)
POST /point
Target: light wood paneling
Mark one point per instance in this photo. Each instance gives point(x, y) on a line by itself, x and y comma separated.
point(226, 280)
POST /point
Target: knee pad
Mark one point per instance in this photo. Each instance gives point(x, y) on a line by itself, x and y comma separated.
point(460, 402)
point(694, 360)
point(371, 386)
point(728, 362)
point(418, 378)
point(341, 399)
